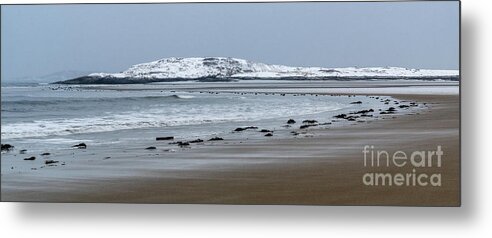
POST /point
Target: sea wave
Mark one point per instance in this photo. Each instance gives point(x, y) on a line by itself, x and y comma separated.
point(153, 118)
point(62, 100)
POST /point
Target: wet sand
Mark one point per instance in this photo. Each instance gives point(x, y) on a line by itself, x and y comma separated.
point(325, 169)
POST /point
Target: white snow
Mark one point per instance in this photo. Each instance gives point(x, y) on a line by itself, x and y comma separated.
point(222, 67)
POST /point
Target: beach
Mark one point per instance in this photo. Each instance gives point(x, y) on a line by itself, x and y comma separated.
point(322, 165)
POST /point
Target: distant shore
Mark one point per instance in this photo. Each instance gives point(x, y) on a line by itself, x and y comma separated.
point(325, 168)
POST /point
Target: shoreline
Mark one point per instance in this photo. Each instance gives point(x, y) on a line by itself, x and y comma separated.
point(324, 169)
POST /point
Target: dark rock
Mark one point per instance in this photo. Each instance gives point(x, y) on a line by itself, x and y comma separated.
point(196, 141)
point(391, 109)
point(341, 116)
point(268, 134)
point(50, 161)
point(151, 148)
point(403, 106)
point(291, 121)
point(183, 143)
point(363, 111)
point(356, 102)
point(22, 151)
point(80, 146)
point(307, 126)
point(7, 147)
point(165, 138)
point(386, 112)
point(265, 130)
point(246, 128)
point(30, 158)
point(351, 118)
point(216, 139)
point(310, 121)
point(45, 154)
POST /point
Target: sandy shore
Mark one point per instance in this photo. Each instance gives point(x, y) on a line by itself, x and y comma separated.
point(326, 169)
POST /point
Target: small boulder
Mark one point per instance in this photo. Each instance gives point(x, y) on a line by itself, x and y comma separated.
point(310, 121)
point(50, 161)
point(7, 147)
point(183, 143)
point(30, 158)
point(165, 138)
point(341, 116)
point(266, 131)
point(45, 154)
point(239, 129)
point(151, 148)
point(307, 126)
point(356, 102)
point(196, 141)
point(245, 128)
point(80, 146)
point(215, 139)
point(291, 121)
point(268, 134)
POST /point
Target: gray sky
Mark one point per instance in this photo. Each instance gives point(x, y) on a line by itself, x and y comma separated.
point(39, 40)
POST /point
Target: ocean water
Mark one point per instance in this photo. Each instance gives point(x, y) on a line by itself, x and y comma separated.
point(45, 116)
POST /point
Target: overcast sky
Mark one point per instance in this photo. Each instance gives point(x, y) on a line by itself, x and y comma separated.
point(39, 40)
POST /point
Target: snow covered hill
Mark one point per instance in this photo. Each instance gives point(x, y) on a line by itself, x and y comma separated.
point(226, 69)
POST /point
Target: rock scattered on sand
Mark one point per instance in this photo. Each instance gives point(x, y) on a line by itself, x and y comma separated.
point(340, 116)
point(291, 121)
point(165, 138)
point(50, 161)
point(151, 148)
point(245, 128)
point(307, 126)
point(266, 130)
point(196, 141)
point(364, 111)
point(183, 143)
point(30, 158)
point(7, 147)
point(80, 146)
point(216, 139)
point(268, 134)
point(346, 117)
point(45, 154)
point(22, 151)
point(403, 106)
point(310, 121)
point(356, 102)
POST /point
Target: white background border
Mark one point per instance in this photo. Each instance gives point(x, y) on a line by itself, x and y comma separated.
point(473, 219)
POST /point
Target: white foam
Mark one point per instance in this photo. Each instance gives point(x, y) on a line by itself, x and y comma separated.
point(165, 117)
